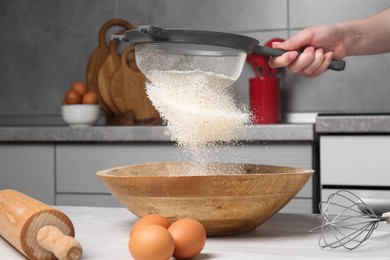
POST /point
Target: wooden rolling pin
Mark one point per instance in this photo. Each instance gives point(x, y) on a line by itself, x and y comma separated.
point(35, 229)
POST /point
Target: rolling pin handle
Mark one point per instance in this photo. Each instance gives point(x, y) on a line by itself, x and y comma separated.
point(63, 247)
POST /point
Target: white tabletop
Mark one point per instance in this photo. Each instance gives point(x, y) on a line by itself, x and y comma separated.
point(104, 233)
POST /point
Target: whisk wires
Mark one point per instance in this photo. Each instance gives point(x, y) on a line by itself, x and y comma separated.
point(346, 221)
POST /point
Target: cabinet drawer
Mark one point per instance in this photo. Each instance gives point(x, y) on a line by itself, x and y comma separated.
point(299, 206)
point(77, 164)
point(90, 200)
point(378, 200)
point(28, 168)
point(355, 160)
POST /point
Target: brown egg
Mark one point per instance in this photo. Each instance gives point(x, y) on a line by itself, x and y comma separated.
point(189, 236)
point(89, 98)
point(151, 219)
point(79, 87)
point(151, 242)
point(72, 97)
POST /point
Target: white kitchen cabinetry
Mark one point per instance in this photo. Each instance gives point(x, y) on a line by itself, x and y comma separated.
point(355, 162)
point(28, 168)
point(77, 165)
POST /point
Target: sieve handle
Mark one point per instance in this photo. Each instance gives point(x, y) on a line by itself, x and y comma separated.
point(337, 65)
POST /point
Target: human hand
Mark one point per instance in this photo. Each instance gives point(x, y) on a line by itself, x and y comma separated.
point(320, 44)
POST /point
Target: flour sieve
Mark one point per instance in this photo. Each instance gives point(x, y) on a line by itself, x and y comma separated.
point(159, 49)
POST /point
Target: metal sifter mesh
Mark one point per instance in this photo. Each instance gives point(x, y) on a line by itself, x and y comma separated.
point(152, 57)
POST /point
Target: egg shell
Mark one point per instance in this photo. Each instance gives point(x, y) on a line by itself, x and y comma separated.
point(152, 242)
point(151, 219)
point(189, 236)
point(79, 87)
point(72, 97)
point(89, 98)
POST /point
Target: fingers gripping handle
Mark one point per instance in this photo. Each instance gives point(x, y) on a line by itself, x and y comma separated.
point(337, 65)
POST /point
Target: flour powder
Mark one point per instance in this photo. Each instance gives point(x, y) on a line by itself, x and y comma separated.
point(198, 107)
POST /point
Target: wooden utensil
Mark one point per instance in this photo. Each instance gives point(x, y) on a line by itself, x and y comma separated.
point(109, 66)
point(101, 52)
point(35, 229)
point(128, 90)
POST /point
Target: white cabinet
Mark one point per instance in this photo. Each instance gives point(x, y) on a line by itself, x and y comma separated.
point(28, 168)
point(355, 160)
point(359, 163)
point(77, 165)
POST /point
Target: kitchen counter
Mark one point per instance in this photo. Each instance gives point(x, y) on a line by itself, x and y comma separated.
point(353, 123)
point(324, 124)
point(278, 132)
point(104, 233)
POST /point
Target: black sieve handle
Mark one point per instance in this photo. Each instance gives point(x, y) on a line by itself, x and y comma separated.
point(337, 65)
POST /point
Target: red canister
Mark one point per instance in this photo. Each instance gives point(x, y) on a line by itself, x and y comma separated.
point(264, 99)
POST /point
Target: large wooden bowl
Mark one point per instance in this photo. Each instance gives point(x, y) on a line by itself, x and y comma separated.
point(223, 202)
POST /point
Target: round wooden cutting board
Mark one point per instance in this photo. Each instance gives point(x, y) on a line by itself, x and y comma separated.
point(100, 54)
point(128, 90)
point(109, 66)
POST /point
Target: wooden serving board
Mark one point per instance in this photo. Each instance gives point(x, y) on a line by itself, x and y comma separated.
point(100, 54)
point(109, 66)
point(128, 91)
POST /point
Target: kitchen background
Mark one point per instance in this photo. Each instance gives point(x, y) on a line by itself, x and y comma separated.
point(46, 45)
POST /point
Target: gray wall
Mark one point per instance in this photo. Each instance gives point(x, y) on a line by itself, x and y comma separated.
point(46, 44)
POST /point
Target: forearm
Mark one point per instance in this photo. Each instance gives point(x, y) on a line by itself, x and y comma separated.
point(369, 35)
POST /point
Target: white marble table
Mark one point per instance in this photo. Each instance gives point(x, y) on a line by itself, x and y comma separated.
point(104, 234)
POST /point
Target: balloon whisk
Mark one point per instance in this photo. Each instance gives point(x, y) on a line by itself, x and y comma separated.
point(347, 221)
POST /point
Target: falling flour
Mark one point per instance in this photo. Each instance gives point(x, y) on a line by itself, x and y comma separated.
point(198, 107)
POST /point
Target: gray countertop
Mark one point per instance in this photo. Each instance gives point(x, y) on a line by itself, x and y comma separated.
point(278, 132)
point(353, 124)
point(325, 124)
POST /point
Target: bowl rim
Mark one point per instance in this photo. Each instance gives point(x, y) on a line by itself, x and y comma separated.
point(300, 171)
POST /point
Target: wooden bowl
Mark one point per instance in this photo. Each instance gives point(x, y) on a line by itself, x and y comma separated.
point(224, 200)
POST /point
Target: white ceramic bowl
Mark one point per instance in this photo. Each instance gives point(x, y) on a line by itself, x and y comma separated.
point(80, 115)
